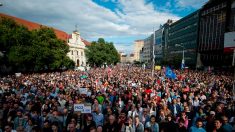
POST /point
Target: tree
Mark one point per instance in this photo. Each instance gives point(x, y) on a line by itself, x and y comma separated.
point(35, 50)
point(101, 52)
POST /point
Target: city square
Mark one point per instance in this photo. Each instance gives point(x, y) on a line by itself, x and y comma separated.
point(71, 71)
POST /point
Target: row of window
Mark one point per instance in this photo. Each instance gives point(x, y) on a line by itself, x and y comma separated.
point(183, 32)
point(187, 21)
point(75, 52)
point(213, 9)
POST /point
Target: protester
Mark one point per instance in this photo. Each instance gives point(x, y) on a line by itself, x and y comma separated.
point(125, 98)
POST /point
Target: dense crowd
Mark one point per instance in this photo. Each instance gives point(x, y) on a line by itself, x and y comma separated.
point(121, 98)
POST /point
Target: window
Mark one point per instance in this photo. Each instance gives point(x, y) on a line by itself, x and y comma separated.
point(71, 52)
point(81, 53)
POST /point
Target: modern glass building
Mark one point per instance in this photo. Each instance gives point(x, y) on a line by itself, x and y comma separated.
point(214, 23)
point(183, 36)
point(158, 45)
point(148, 49)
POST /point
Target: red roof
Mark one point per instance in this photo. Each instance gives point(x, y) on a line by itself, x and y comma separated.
point(86, 42)
point(32, 25)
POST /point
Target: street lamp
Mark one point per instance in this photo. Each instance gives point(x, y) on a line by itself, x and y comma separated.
point(182, 63)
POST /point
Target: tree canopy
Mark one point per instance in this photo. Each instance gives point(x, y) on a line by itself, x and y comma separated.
point(36, 50)
point(101, 52)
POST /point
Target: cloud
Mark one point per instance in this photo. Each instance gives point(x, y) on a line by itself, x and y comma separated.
point(190, 3)
point(123, 47)
point(131, 18)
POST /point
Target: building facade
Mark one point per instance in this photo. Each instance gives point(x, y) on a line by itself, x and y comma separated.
point(76, 49)
point(183, 37)
point(165, 40)
point(214, 23)
point(158, 45)
point(148, 50)
point(138, 45)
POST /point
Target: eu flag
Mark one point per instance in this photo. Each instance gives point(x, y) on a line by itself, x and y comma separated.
point(170, 74)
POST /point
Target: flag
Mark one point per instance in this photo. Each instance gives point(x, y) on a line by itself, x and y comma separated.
point(170, 74)
point(182, 64)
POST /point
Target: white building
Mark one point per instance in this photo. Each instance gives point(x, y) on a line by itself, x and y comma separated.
point(77, 47)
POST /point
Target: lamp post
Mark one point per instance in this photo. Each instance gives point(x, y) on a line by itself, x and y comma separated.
point(182, 63)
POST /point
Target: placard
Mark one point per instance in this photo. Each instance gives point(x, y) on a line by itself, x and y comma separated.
point(83, 91)
point(86, 109)
point(79, 107)
point(17, 74)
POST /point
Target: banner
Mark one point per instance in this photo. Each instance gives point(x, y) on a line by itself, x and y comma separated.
point(158, 68)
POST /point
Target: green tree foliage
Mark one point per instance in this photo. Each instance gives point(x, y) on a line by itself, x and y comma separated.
point(101, 52)
point(36, 50)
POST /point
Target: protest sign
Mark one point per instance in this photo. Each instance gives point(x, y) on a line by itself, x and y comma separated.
point(86, 109)
point(83, 91)
point(17, 74)
point(78, 107)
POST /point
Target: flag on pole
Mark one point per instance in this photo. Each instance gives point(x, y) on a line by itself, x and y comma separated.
point(182, 64)
point(169, 73)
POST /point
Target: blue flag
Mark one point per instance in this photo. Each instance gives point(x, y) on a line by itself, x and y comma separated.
point(170, 74)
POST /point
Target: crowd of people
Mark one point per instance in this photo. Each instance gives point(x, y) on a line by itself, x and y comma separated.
point(121, 99)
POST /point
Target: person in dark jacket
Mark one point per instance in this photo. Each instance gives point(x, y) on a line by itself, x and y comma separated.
point(111, 126)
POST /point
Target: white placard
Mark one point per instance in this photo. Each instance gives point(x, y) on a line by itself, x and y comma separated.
point(83, 91)
point(78, 107)
point(86, 109)
point(17, 74)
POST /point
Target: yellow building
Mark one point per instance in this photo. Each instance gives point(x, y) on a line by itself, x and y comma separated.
point(138, 45)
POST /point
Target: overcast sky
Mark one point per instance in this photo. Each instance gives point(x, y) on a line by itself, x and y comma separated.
point(119, 21)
